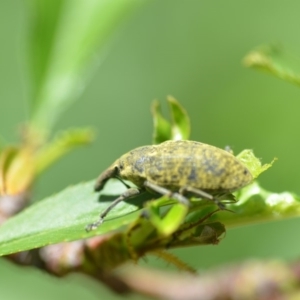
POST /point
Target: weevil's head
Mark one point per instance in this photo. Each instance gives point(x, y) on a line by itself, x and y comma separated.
point(120, 169)
point(130, 166)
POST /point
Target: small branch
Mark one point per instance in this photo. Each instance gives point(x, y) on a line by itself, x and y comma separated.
point(260, 280)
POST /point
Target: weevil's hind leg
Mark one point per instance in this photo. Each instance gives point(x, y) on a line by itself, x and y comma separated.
point(127, 194)
point(163, 191)
point(202, 194)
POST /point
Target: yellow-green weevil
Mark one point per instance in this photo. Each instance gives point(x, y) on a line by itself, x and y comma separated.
point(176, 168)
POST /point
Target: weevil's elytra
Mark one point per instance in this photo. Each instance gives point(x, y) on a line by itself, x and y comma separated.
point(174, 164)
point(175, 167)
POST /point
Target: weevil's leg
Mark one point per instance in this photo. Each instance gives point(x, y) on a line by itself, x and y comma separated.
point(202, 194)
point(127, 194)
point(190, 225)
point(163, 191)
point(227, 196)
point(120, 179)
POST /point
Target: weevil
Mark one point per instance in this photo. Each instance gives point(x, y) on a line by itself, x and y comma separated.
point(176, 169)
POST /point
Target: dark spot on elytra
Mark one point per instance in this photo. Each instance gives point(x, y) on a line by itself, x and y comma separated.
point(156, 177)
point(181, 171)
point(157, 165)
point(213, 167)
point(193, 174)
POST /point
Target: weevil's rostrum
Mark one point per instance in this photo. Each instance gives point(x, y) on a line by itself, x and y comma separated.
point(175, 168)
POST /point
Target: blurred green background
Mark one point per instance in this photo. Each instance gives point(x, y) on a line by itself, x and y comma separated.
point(193, 51)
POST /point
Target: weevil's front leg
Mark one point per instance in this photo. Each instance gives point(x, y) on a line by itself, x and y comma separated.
point(202, 194)
point(127, 194)
point(163, 191)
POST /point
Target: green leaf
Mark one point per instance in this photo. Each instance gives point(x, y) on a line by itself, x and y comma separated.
point(7, 156)
point(161, 127)
point(178, 129)
point(63, 143)
point(275, 61)
point(253, 164)
point(63, 217)
point(65, 36)
point(255, 204)
point(169, 223)
point(180, 120)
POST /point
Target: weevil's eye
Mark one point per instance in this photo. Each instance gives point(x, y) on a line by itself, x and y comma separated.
point(245, 172)
point(121, 166)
